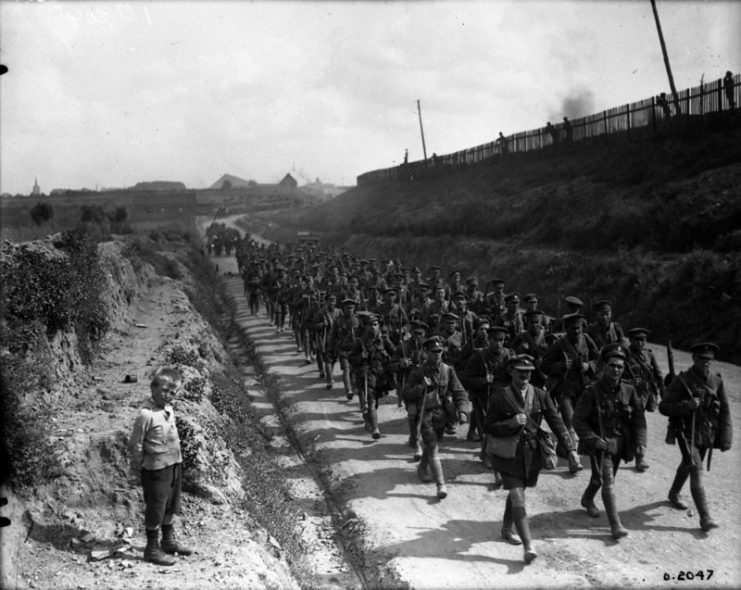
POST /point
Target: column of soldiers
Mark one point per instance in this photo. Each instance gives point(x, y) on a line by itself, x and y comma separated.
point(450, 351)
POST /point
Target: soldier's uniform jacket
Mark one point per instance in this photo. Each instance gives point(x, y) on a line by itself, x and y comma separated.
point(605, 335)
point(572, 382)
point(713, 417)
point(613, 413)
point(535, 346)
point(393, 319)
point(453, 343)
point(483, 361)
point(374, 353)
point(446, 390)
point(411, 350)
point(642, 370)
point(508, 402)
point(344, 332)
point(466, 325)
point(513, 322)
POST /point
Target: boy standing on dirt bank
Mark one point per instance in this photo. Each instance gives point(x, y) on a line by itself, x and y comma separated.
point(156, 461)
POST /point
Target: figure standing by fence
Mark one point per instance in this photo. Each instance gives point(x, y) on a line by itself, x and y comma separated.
point(728, 87)
point(553, 132)
point(568, 130)
point(502, 141)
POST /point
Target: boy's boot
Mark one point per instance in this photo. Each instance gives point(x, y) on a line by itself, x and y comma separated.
point(153, 552)
point(170, 543)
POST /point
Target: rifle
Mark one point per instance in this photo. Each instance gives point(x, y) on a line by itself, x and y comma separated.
point(403, 374)
point(670, 360)
point(671, 435)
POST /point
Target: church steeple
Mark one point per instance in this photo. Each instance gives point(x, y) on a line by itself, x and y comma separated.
point(36, 189)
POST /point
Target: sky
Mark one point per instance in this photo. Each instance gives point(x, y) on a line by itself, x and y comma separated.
point(108, 94)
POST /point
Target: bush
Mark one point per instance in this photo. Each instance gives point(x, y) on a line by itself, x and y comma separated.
point(41, 213)
point(28, 454)
point(179, 355)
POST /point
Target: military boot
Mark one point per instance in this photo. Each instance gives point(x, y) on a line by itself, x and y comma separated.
point(698, 495)
point(616, 527)
point(423, 469)
point(587, 499)
point(675, 498)
point(507, 524)
point(641, 464)
point(373, 414)
point(328, 373)
point(170, 543)
point(437, 471)
point(412, 433)
point(519, 515)
point(153, 552)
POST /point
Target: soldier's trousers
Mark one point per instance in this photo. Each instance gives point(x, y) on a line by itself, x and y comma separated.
point(692, 467)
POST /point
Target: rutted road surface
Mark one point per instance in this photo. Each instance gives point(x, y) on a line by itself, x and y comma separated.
point(455, 543)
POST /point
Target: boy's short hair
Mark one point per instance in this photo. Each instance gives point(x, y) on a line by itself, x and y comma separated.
point(165, 373)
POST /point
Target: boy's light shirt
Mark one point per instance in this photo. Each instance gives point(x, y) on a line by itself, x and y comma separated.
point(155, 443)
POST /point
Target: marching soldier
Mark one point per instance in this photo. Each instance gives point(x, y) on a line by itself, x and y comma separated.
point(345, 330)
point(436, 389)
point(571, 364)
point(485, 373)
point(512, 316)
point(410, 354)
point(370, 355)
point(642, 370)
point(324, 325)
point(699, 414)
point(611, 425)
point(534, 341)
point(518, 410)
point(603, 330)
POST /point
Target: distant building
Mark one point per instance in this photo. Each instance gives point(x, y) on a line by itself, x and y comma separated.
point(36, 191)
point(288, 181)
point(158, 185)
point(228, 181)
point(322, 191)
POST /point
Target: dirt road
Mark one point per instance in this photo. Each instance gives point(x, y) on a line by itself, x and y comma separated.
point(454, 543)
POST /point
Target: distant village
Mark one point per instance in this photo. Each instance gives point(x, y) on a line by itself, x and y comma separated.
point(318, 190)
point(164, 199)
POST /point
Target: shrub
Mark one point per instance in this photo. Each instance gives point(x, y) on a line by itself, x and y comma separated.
point(179, 355)
point(41, 213)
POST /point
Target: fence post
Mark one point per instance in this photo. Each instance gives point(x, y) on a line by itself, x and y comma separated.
point(604, 113)
point(627, 115)
point(702, 99)
point(720, 95)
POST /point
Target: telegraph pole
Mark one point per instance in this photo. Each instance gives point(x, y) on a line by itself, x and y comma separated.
point(666, 58)
point(421, 130)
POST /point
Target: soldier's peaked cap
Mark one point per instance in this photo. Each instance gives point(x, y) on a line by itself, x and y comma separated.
point(531, 297)
point(512, 297)
point(495, 328)
point(497, 281)
point(706, 350)
point(449, 315)
point(612, 350)
point(637, 332)
point(602, 303)
point(459, 295)
point(434, 343)
point(418, 324)
point(573, 300)
point(434, 267)
point(522, 362)
point(482, 320)
point(572, 317)
point(348, 301)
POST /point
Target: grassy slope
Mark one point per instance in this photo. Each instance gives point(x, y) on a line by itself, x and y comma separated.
point(656, 225)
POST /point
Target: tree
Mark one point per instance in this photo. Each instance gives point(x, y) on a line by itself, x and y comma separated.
point(41, 213)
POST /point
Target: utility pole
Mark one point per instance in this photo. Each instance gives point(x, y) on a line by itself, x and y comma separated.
point(421, 130)
point(666, 58)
